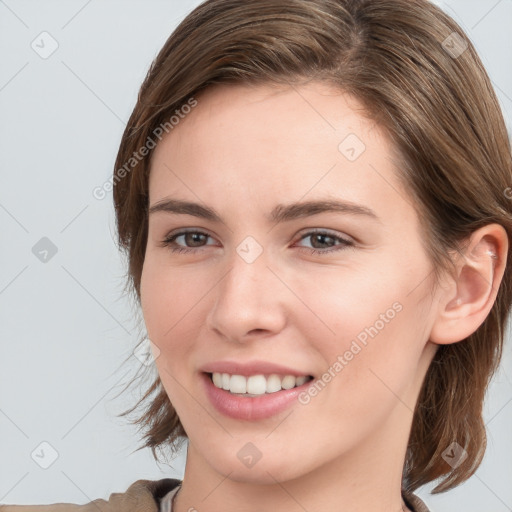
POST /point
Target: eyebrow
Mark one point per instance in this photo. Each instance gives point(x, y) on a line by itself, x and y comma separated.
point(280, 213)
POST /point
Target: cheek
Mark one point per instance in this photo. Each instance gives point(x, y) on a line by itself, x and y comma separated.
point(168, 296)
point(349, 300)
point(377, 322)
point(172, 301)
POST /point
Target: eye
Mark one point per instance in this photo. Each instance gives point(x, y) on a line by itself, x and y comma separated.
point(321, 238)
point(197, 239)
point(192, 237)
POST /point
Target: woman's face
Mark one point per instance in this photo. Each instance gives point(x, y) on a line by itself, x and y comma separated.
point(274, 283)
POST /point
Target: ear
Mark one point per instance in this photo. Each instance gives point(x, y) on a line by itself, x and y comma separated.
point(469, 295)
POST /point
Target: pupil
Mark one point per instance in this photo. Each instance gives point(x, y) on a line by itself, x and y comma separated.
point(194, 237)
point(322, 238)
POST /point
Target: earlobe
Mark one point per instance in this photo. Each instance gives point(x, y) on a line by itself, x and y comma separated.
point(464, 304)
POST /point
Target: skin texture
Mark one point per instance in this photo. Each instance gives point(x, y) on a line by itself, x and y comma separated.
point(242, 151)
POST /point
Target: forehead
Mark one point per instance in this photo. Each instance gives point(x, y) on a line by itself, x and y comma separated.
point(294, 112)
point(274, 142)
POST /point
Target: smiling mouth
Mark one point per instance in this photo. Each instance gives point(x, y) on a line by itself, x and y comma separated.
point(256, 385)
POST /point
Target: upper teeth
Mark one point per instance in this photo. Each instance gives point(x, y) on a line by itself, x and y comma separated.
point(256, 384)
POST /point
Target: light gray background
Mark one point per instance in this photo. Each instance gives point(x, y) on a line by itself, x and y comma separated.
point(65, 325)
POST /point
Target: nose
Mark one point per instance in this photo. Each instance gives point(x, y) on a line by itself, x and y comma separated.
point(249, 301)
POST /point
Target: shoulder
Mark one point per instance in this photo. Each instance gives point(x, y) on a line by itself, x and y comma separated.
point(141, 496)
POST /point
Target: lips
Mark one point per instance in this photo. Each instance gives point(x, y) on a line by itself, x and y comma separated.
point(252, 406)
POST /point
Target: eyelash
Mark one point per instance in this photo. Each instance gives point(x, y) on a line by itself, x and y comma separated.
point(344, 243)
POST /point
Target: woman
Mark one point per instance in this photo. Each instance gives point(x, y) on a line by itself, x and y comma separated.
point(313, 198)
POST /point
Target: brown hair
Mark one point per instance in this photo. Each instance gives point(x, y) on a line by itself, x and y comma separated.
point(408, 64)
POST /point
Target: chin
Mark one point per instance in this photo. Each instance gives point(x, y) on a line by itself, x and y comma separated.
point(267, 469)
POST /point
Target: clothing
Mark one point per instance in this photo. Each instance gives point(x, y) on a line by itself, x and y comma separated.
point(149, 496)
point(166, 503)
point(141, 496)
